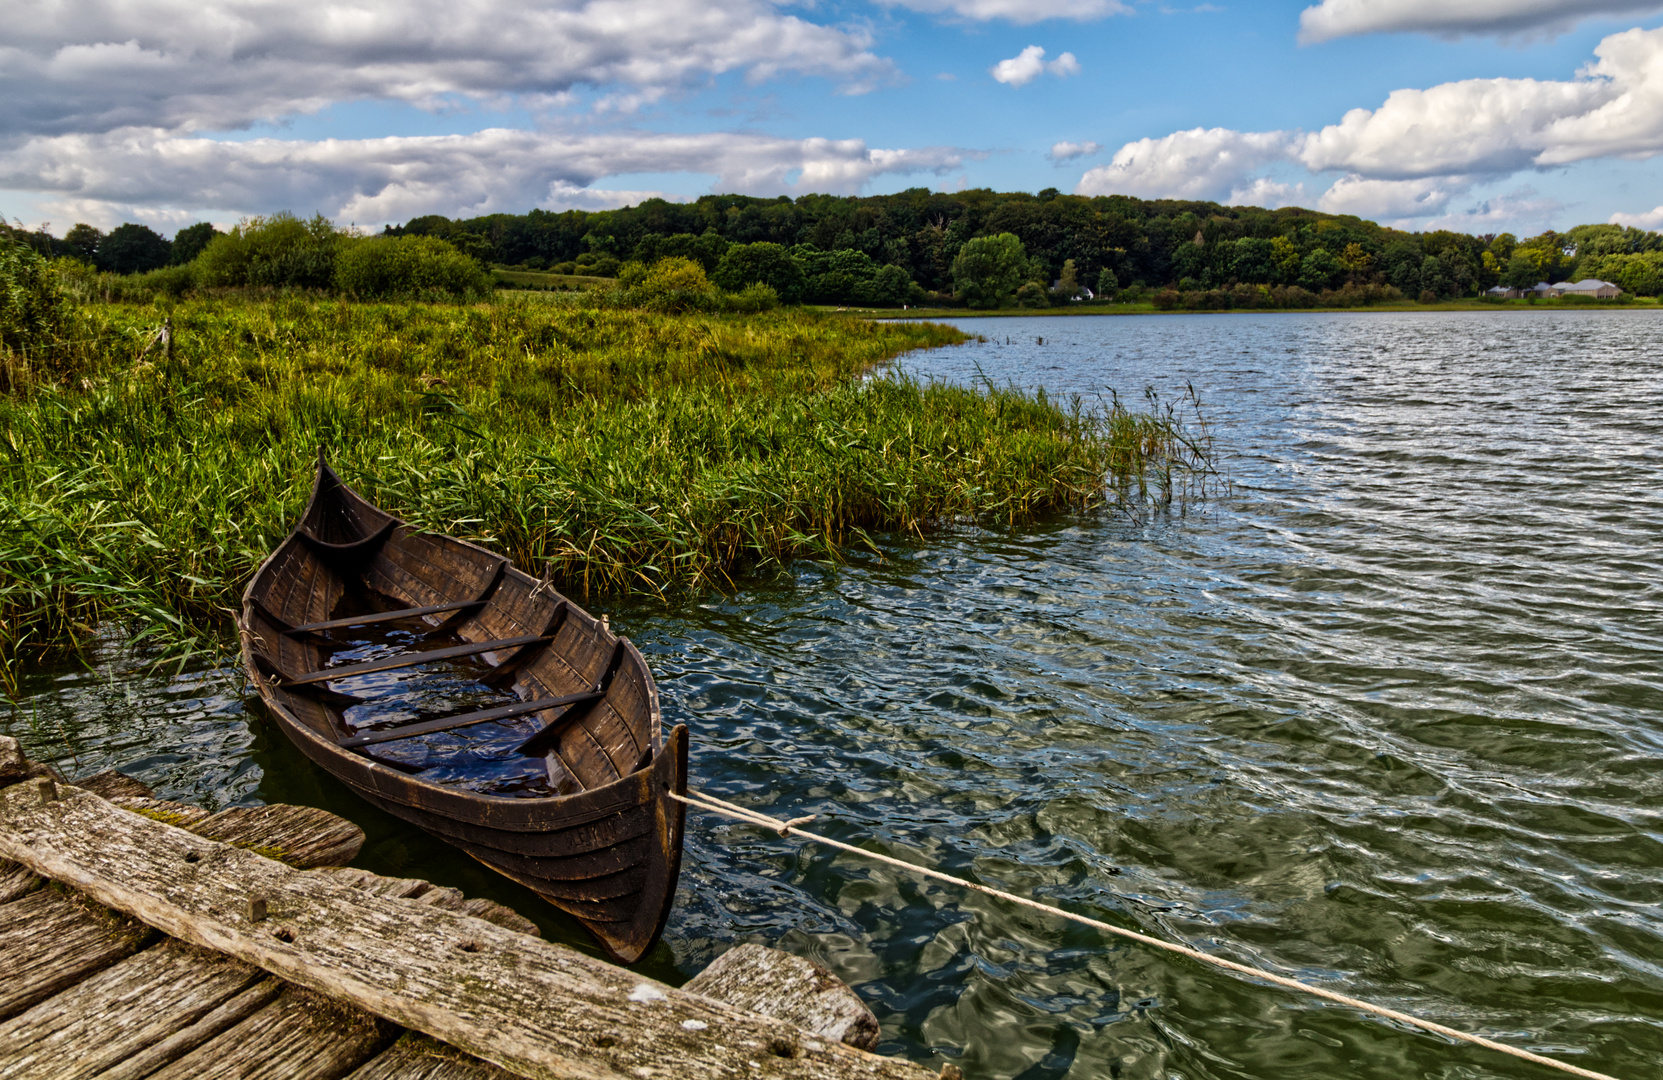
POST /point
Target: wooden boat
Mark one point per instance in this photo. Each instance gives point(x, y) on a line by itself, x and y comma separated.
point(584, 818)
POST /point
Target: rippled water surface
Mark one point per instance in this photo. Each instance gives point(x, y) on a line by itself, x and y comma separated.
point(1388, 718)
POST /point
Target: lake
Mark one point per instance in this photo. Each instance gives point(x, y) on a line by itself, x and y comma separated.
point(1387, 717)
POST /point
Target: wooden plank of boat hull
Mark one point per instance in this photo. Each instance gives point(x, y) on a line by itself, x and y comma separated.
point(404, 660)
point(50, 941)
point(533, 1007)
point(129, 1007)
point(300, 1036)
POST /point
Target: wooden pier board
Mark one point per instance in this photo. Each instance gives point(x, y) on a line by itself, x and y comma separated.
point(329, 972)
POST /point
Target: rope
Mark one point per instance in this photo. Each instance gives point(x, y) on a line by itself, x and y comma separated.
point(710, 803)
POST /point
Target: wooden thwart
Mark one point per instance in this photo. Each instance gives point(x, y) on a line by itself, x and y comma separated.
point(384, 616)
point(404, 660)
point(450, 723)
point(537, 1009)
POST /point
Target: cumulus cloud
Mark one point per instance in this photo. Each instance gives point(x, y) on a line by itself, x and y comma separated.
point(1421, 148)
point(194, 65)
point(1021, 12)
point(1504, 18)
point(1203, 163)
point(1030, 64)
point(1263, 191)
point(1518, 210)
point(1068, 151)
point(152, 174)
point(1650, 219)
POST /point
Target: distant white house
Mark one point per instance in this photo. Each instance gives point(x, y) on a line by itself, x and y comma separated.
point(1602, 290)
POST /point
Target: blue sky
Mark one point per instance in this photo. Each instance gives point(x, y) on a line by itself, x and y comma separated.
point(1482, 115)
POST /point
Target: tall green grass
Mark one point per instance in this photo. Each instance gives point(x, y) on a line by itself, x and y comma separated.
point(626, 449)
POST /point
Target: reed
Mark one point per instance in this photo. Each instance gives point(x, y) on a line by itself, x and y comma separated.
point(626, 449)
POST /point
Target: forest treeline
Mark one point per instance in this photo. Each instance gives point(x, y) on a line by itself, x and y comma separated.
point(920, 246)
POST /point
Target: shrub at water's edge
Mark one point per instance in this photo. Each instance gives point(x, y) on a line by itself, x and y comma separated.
point(629, 449)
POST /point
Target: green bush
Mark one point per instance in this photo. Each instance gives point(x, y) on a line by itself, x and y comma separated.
point(280, 251)
point(988, 269)
point(672, 284)
point(769, 264)
point(34, 313)
point(407, 268)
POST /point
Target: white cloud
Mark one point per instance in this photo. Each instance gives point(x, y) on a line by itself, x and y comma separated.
point(1203, 163)
point(1650, 219)
point(1517, 210)
point(1391, 198)
point(1505, 18)
point(193, 65)
point(1421, 148)
point(1068, 151)
point(1030, 64)
point(1021, 12)
point(149, 174)
point(1263, 191)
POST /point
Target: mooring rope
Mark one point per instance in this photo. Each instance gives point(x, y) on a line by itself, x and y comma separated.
point(714, 805)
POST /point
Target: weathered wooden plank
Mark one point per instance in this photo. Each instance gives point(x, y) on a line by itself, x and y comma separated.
point(50, 941)
point(300, 1036)
point(163, 810)
point(530, 1006)
point(792, 988)
point(15, 880)
point(110, 783)
point(442, 896)
point(417, 1057)
point(131, 1006)
point(226, 1016)
point(301, 836)
point(13, 765)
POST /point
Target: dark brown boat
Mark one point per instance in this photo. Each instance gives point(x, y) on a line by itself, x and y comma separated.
point(562, 783)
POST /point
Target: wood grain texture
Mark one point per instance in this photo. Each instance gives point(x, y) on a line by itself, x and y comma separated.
point(300, 1036)
point(417, 1057)
point(227, 1015)
point(105, 1020)
point(535, 1008)
point(440, 896)
point(110, 783)
point(792, 988)
point(15, 880)
point(302, 836)
point(50, 940)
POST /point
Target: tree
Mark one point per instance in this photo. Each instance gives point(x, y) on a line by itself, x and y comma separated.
point(133, 249)
point(83, 241)
point(1433, 277)
point(1319, 269)
point(1107, 285)
point(1520, 273)
point(189, 242)
point(988, 269)
point(769, 264)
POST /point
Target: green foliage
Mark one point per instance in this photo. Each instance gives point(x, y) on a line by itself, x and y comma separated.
point(407, 268)
point(189, 242)
point(1640, 273)
point(1521, 272)
point(706, 250)
point(34, 315)
point(1032, 295)
point(626, 449)
point(279, 251)
point(769, 264)
point(83, 240)
point(133, 249)
point(988, 270)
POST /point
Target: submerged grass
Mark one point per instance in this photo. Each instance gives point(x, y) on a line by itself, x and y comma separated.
point(624, 449)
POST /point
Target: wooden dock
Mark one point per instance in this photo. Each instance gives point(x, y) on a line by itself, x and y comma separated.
point(146, 939)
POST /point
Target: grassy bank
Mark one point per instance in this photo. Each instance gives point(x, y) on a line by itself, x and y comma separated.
point(628, 449)
point(1637, 303)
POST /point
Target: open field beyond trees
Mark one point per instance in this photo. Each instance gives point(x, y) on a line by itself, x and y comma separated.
point(624, 448)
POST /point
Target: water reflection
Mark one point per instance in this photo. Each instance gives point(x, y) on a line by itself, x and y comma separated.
point(1388, 720)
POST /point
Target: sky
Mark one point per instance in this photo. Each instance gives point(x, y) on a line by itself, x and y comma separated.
point(1477, 115)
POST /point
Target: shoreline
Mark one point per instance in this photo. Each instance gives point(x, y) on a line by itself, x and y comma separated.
point(1125, 310)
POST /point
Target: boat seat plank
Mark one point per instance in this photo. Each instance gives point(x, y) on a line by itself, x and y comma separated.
point(382, 617)
point(49, 941)
point(404, 660)
point(145, 1000)
point(450, 723)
